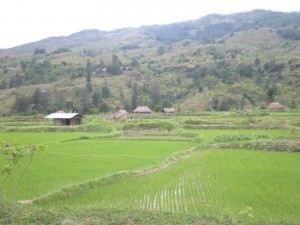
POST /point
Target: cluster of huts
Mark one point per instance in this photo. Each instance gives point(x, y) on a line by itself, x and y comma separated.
point(61, 118)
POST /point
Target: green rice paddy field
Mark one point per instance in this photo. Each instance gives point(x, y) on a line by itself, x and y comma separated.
point(81, 170)
point(69, 162)
point(210, 182)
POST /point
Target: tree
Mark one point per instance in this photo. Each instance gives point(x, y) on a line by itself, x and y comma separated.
point(215, 103)
point(36, 97)
point(69, 106)
point(271, 94)
point(88, 70)
point(39, 100)
point(245, 70)
point(96, 99)
point(102, 64)
point(134, 97)
point(89, 87)
point(115, 67)
point(22, 103)
point(257, 61)
point(160, 50)
point(38, 51)
point(105, 91)
point(104, 108)
point(135, 63)
point(155, 93)
point(3, 85)
point(84, 104)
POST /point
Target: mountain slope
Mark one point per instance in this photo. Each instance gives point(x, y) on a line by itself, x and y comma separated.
point(218, 62)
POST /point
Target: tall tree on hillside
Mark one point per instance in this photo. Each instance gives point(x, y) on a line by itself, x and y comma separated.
point(88, 71)
point(105, 91)
point(22, 103)
point(36, 97)
point(134, 97)
point(155, 92)
point(271, 94)
point(135, 62)
point(96, 99)
point(102, 64)
point(115, 67)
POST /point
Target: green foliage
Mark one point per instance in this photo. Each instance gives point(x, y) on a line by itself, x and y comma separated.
point(88, 71)
point(272, 66)
point(61, 50)
point(39, 51)
point(134, 97)
point(22, 103)
point(245, 70)
point(115, 67)
point(105, 90)
point(290, 33)
point(10, 157)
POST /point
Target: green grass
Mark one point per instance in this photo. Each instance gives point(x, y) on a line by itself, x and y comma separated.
point(82, 170)
point(209, 183)
point(70, 162)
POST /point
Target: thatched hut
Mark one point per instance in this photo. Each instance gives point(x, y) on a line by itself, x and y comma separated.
point(61, 118)
point(275, 106)
point(121, 114)
point(169, 110)
point(142, 110)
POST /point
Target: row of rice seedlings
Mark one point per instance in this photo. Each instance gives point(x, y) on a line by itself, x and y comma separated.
point(250, 178)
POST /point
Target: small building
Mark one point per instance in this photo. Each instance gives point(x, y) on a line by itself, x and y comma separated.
point(142, 110)
point(121, 114)
point(61, 118)
point(275, 106)
point(169, 110)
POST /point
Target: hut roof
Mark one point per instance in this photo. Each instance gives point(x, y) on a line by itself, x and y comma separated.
point(121, 113)
point(63, 115)
point(142, 109)
point(169, 110)
point(275, 105)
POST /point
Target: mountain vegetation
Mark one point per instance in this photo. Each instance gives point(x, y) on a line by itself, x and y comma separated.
point(218, 62)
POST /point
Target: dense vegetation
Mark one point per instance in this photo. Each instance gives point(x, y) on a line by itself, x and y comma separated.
point(238, 61)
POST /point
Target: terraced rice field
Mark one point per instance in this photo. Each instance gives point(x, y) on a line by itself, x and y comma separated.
point(79, 169)
point(66, 163)
point(211, 182)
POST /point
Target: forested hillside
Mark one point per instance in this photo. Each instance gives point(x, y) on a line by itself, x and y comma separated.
point(218, 62)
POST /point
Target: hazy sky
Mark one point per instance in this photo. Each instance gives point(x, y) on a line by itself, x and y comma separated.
point(23, 21)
